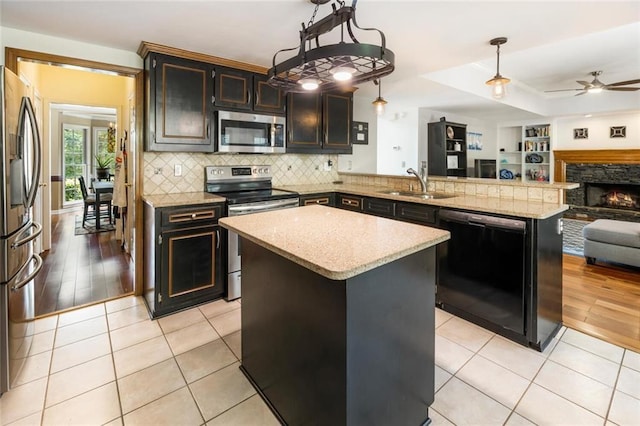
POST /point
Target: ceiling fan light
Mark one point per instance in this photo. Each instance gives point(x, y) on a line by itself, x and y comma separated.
point(594, 89)
point(309, 83)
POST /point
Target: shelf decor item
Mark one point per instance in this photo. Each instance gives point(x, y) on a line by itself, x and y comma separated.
point(618, 132)
point(581, 133)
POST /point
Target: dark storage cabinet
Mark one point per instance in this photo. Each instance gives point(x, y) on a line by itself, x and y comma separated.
point(246, 91)
point(416, 213)
point(447, 149)
point(380, 207)
point(182, 257)
point(349, 202)
point(233, 88)
point(319, 123)
point(179, 104)
point(267, 99)
point(326, 199)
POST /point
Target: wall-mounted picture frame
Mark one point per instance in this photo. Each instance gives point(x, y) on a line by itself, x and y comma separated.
point(581, 133)
point(618, 131)
point(360, 133)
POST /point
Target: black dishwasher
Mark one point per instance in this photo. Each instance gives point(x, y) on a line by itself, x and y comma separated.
point(482, 270)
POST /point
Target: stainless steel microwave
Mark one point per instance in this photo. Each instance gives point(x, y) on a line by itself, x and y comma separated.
point(245, 132)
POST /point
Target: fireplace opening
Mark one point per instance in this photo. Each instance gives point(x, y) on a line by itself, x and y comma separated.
point(612, 195)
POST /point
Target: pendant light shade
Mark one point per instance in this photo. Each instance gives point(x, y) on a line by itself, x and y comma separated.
point(346, 62)
point(379, 103)
point(498, 83)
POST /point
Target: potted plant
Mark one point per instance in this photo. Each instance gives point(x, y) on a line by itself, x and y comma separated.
point(103, 162)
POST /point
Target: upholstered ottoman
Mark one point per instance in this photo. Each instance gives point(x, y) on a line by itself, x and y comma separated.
point(612, 240)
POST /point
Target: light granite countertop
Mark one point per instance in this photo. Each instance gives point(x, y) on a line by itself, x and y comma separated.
point(338, 244)
point(504, 206)
point(182, 199)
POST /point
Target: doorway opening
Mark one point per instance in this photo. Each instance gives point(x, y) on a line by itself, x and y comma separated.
point(73, 90)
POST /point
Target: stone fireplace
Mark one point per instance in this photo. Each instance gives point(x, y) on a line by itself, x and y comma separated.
point(609, 183)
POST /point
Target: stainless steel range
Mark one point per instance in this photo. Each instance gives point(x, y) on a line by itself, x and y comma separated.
point(248, 190)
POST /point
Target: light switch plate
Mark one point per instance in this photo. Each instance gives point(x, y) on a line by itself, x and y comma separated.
point(177, 170)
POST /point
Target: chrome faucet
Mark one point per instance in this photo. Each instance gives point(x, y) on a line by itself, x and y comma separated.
point(423, 184)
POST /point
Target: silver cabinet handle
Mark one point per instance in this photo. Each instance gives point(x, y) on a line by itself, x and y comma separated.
point(217, 239)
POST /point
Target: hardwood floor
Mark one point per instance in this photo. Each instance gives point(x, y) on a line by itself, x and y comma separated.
point(80, 269)
point(602, 300)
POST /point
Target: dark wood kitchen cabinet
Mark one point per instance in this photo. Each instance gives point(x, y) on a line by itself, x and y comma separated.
point(325, 199)
point(246, 91)
point(266, 98)
point(182, 257)
point(319, 123)
point(349, 202)
point(179, 109)
point(233, 88)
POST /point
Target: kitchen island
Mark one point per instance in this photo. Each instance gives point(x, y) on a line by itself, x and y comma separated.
point(338, 315)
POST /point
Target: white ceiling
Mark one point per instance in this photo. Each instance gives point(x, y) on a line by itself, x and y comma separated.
point(443, 56)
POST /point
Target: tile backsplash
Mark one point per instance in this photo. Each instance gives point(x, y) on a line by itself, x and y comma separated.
point(287, 169)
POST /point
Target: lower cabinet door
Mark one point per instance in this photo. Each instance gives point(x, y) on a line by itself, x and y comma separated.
point(191, 267)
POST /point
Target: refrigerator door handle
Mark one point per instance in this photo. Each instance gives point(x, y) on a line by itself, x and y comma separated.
point(32, 275)
point(27, 107)
point(22, 241)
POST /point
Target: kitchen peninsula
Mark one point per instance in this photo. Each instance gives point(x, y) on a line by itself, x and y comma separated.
point(337, 315)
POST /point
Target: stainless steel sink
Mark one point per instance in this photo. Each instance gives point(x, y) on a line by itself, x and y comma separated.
point(420, 195)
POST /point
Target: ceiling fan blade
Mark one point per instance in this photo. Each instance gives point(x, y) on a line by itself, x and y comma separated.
point(562, 90)
point(624, 83)
point(584, 83)
point(623, 89)
point(582, 93)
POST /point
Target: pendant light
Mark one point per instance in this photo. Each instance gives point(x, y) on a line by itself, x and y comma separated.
point(379, 103)
point(498, 83)
point(347, 62)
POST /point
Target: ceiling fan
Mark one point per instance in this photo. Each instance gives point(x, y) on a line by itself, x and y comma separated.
point(596, 86)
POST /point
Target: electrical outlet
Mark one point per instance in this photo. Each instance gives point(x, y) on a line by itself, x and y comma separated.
point(177, 170)
point(404, 164)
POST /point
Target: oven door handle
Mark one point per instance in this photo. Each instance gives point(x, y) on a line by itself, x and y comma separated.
point(259, 208)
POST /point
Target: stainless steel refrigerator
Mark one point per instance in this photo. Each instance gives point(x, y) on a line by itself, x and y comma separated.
point(19, 176)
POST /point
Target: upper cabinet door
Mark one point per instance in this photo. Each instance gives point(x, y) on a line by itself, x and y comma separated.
point(304, 117)
point(180, 94)
point(266, 98)
point(336, 113)
point(233, 88)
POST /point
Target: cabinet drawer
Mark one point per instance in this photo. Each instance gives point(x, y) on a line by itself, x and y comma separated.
point(416, 213)
point(380, 207)
point(188, 216)
point(322, 199)
point(350, 202)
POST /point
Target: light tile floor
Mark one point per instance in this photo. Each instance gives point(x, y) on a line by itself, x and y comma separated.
point(109, 364)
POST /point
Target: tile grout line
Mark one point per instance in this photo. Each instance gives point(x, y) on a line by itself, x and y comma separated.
point(615, 385)
point(113, 365)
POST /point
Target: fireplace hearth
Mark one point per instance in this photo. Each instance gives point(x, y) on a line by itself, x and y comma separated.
point(607, 191)
point(612, 195)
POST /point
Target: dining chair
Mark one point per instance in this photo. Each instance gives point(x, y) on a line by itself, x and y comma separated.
point(90, 204)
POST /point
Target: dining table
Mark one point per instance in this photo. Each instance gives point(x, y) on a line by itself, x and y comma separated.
point(99, 188)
